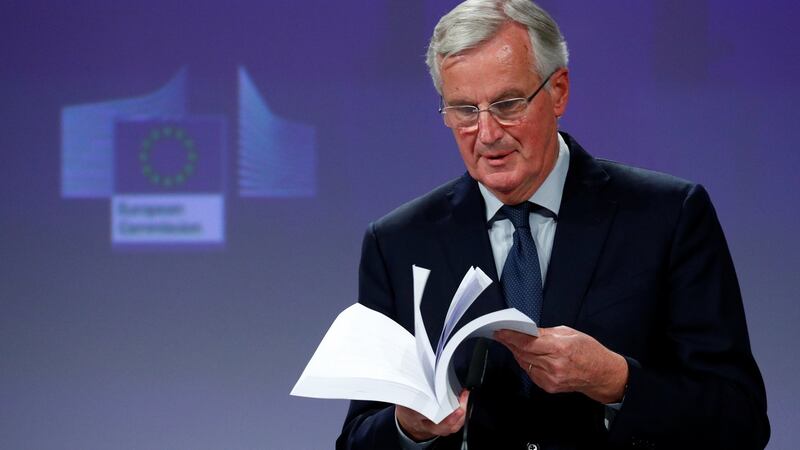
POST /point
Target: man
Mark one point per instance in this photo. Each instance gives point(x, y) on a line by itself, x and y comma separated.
point(643, 341)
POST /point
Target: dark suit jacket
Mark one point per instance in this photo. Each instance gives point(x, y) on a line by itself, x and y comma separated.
point(639, 262)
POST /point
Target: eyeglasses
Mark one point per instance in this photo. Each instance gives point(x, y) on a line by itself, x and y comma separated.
point(505, 112)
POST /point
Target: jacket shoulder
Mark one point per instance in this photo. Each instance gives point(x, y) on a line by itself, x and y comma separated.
point(422, 210)
point(635, 183)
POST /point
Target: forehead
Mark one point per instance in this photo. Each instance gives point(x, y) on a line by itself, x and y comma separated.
point(503, 63)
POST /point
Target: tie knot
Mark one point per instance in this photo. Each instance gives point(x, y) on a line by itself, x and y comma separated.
point(519, 215)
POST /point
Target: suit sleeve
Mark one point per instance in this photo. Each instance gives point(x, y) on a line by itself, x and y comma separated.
point(371, 425)
point(706, 390)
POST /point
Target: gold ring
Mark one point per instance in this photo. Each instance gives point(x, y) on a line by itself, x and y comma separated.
point(530, 365)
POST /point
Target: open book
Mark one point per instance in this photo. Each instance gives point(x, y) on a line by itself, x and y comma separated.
point(368, 356)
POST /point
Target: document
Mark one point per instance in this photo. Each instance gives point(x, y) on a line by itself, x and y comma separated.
point(368, 356)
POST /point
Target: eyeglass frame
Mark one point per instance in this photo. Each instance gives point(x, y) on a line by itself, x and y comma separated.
point(443, 109)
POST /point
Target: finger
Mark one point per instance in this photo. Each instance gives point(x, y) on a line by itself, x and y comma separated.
point(451, 423)
point(419, 427)
point(546, 331)
point(456, 415)
point(513, 340)
point(513, 337)
point(410, 418)
point(521, 358)
point(524, 344)
point(463, 398)
point(561, 330)
point(453, 418)
point(411, 423)
point(525, 363)
point(533, 363)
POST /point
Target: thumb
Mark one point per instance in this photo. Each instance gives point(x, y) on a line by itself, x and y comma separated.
point(463, 398)
point(561, 330)
point(546, 331)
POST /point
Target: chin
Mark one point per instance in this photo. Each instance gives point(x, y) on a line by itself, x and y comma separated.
point(500, 183)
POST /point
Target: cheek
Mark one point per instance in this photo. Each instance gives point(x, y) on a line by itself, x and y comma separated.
point(530, 141)
point(466, 147)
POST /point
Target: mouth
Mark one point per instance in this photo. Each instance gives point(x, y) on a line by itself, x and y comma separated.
point(497, 158)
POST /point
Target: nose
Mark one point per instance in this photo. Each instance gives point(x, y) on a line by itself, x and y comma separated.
point(489, 130)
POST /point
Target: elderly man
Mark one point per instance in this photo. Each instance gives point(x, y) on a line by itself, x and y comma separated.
point(643, 341)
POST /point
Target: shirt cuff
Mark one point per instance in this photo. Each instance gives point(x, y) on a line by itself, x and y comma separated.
point(612, 409)
point(611, 413)
point(406, 443)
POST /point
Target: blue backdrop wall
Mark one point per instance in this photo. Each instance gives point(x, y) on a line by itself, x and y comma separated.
point(194, 342)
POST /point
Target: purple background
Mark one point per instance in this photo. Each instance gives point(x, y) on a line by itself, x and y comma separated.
point(198, 350)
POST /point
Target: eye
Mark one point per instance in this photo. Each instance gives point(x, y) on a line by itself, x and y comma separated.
point(511, 106)
point(462, 111)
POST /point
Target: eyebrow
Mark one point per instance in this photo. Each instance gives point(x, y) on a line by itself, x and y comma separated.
point(509, 94)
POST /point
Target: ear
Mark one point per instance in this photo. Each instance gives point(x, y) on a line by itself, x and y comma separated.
point(559, 91)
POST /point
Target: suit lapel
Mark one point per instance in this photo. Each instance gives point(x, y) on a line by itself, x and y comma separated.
point(584, 219)
point(465, 242)
point(583, 223)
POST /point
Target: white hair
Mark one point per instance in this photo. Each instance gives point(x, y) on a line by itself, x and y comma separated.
point(476, 21)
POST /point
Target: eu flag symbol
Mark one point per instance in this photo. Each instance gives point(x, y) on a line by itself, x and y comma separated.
point(162, 156)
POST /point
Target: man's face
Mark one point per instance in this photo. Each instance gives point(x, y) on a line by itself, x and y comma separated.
point(512, 161)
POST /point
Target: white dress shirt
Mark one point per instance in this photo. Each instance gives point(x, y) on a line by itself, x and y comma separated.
point(543, 225)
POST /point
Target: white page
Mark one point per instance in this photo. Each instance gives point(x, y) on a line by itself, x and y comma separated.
point(368, 389)
point(424, 350)
point(366, 355)
point(472, 285)
point(447, 385)
point(457, 297)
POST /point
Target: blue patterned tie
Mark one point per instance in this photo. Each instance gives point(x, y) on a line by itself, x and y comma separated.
point(522, 277)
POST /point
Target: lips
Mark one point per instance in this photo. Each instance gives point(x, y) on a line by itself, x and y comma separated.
point(496, 158)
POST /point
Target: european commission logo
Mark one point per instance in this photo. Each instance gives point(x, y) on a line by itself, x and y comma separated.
point(164, 169)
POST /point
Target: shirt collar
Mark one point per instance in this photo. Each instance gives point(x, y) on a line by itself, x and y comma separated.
point(549, 193)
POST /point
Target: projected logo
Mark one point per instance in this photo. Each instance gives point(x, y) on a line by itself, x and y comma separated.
point(168, 184)
point(164, 169)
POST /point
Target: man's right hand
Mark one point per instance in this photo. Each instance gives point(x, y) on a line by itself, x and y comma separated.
point(419, 428)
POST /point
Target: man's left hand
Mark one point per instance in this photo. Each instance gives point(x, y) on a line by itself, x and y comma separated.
point(562, 359)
